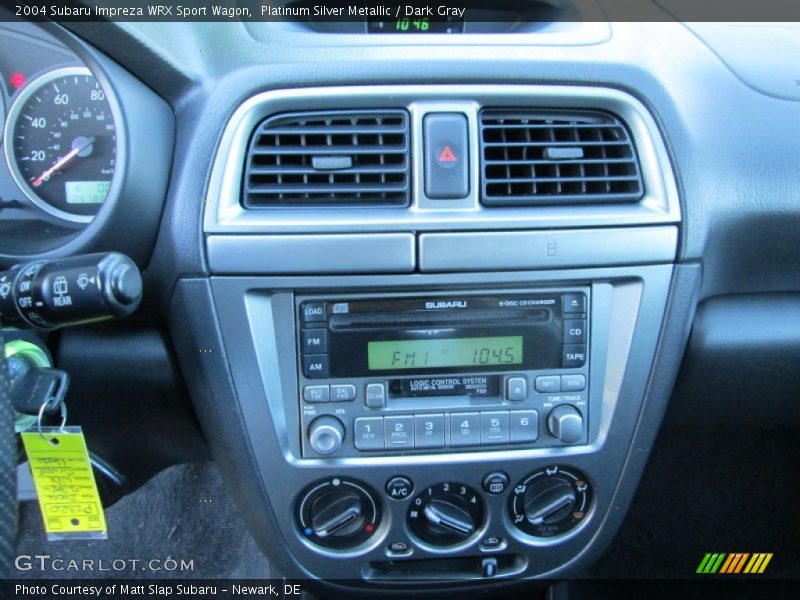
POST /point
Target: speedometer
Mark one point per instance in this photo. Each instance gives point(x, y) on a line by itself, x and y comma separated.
point(61, 143)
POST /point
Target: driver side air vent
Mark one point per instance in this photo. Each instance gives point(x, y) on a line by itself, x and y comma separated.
point(350, 158)
point(532, 157)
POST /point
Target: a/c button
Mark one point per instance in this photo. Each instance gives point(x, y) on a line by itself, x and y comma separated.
point(399, 488)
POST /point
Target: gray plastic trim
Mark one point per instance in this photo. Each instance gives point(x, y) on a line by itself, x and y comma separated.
point(225, 214)
point(386, 253)
point(484, 251)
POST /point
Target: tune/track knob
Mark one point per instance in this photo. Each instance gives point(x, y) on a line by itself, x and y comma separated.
point(565, 422)
point(326, 434)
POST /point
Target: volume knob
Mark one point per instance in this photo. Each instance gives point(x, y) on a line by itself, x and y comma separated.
point(326, 434)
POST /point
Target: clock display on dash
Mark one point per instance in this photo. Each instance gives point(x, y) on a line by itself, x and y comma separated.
point(417, 25)
point(443, 353)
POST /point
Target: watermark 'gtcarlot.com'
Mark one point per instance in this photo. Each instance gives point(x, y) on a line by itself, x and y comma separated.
point(45, 562)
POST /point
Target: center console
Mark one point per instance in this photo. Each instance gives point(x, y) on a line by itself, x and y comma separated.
point(439, 323)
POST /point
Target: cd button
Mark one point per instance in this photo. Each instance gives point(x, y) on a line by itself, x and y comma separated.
point(548, 384)
point(524, 426)
point(574, 303)
point(574, 356)
point(312, 312)
point(465, 429)
point(575, 331)
point(376, 395)
point(399, 432)
point(343, 393)
point(494, 428)
point(368, 433)
point(429, 431)
point(314, 341)
point(516, 389)
point(573, 383)
point(315, 366)
point(316, 393)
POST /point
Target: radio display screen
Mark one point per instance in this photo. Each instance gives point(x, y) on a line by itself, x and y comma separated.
point(443, 353)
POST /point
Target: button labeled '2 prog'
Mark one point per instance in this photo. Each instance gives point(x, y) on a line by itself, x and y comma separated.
point(399, 432)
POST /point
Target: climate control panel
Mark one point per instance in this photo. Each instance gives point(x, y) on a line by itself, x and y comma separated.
point(343, 515)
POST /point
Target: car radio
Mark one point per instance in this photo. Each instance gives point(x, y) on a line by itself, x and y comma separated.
point(451, 372)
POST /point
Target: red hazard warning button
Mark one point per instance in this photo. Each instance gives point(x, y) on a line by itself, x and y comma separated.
point(447, 155)
point(446, 159)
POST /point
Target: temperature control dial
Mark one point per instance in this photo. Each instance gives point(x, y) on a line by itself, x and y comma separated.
point(446, 515)
point(550, 502)
point(338, 513)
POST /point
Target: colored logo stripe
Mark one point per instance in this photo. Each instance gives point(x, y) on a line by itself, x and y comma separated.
point(733, 563)
point(711, 563)
point(758, 563)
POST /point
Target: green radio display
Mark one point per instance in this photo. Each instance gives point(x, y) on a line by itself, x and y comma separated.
point(442, 353)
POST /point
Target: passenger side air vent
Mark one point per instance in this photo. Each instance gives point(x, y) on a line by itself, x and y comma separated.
point(339, 158)
point(531, 157)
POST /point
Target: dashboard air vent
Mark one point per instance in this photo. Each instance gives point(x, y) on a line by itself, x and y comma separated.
point(339, 158)
point(533, 157)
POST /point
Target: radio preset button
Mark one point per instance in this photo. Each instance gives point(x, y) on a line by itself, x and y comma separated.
point(524, 426)
point(315, 366)
point(399, 432)
point(376, 395)
point(573, 383)
point(548, 384)
point(312, 312)
point(465, 429)
point(494, 428)
point(574, 355)
point(574, 303)
point(316, 393)
point(516, 389)
point(429, 431)
point(343, 393)
point(575, 331)
point(368, 433)
point(314, 341)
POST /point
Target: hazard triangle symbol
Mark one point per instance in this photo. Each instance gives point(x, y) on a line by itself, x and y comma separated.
point(447, 155)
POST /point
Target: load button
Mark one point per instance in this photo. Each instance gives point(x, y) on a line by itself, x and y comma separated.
point(446, 156)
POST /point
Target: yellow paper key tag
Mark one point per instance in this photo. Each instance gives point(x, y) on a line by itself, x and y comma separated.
point(62, 474)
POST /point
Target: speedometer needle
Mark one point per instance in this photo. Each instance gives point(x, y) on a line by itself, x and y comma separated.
point(63, 161)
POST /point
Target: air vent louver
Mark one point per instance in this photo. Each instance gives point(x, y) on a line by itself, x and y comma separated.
point(531, 157)
point(339, 158)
